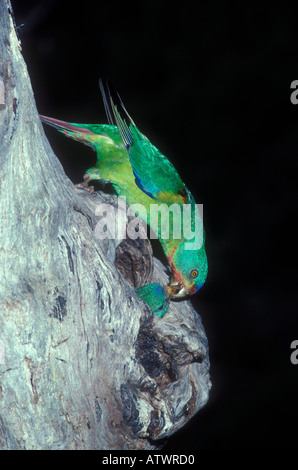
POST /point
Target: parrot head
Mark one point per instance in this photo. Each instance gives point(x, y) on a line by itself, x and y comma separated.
point(189, 271)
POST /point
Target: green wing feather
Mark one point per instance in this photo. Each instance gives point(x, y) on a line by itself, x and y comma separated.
point(154, 295)
point(154, 173)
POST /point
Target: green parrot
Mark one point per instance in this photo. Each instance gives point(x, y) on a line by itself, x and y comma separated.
point(141, 173)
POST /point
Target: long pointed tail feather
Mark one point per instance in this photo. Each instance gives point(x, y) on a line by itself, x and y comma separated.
point(72, 130)
point(63, 125)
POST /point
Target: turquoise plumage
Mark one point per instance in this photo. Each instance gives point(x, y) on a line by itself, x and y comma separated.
point(141, 173)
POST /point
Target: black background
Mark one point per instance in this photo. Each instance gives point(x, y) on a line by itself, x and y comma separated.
point(209, 84)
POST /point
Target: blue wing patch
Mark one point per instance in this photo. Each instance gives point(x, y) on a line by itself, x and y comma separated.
point(141, 187)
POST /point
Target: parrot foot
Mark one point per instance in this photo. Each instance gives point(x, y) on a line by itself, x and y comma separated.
point(155, 296)
point(85, 184)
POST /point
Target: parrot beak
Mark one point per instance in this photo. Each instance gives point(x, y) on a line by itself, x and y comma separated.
point(177, 290)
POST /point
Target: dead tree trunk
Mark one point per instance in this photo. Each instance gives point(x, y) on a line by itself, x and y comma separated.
point(84, 364)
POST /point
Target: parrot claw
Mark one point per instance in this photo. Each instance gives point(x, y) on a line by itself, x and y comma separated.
point(85, 184)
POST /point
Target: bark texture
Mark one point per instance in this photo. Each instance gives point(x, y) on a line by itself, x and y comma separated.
point(84, 364)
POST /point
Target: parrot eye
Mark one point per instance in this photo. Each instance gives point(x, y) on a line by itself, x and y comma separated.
point(194, 273)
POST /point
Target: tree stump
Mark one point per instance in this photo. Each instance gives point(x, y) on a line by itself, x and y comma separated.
point(84, 364)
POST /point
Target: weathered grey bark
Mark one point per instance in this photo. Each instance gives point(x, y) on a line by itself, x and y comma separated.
point(83, 362)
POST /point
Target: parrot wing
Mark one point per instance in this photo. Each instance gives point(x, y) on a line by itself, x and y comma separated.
point(155, 296)
point(154, 173)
